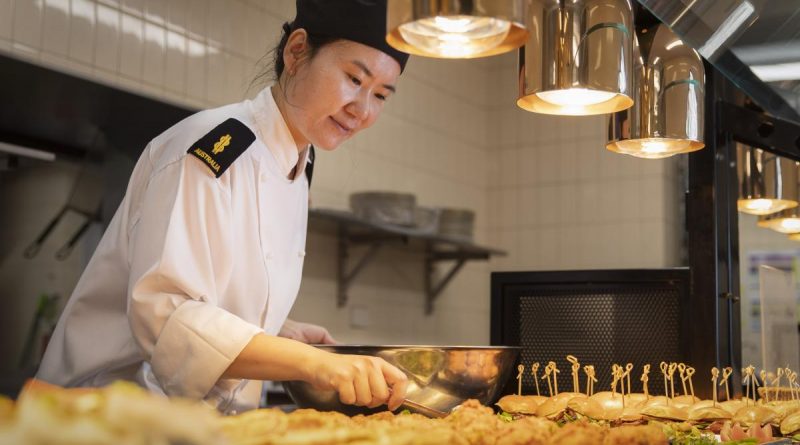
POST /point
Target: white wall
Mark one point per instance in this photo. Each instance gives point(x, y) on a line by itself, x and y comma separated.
point(560, 200)
point(543, 188)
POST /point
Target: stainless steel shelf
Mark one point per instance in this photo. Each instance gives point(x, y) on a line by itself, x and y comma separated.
point(353, 231)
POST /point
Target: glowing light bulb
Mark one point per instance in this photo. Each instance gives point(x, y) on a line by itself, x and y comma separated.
point(575, 97)
point(651, 148)
point(458, 24)
point(788, 225)
point(654, 147)
point(762, 206)
point(456, 36)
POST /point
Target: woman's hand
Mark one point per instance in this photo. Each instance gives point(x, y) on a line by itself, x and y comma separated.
point(306, 333)
point(359, 379)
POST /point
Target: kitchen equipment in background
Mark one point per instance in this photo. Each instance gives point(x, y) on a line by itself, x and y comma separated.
point(767, 183)
point(85, 199)
point(384, 207)
point(577, 57)
point(669, 84)
point(426, 220)
point(42, 326)
point(599, 316)
point(457, 223)
point(462, 29)
point(440, 377)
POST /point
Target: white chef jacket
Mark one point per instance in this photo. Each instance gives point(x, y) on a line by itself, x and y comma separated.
point(191, 266)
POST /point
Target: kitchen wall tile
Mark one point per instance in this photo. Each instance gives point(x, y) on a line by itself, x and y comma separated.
point(568, 170)
point(509, 212)
point(131, 46)
point(547, 163)
point(549, 249)
point(196, 60)
point(6, 19)
point(156, 11)
point(549, 204)
point(281, 9)
point(215, 77)
point(175, 62)
point(653, 199)
point(176, 12)
point(82, 31)
point(154, 54)
point(135, 7)
point(196, 19)
point(217, 22)
point(528, 165)
point(508, 162)
point(589, 202)
point(27, 27)
point(55, 35)
point(529, 206)
point(587, 161)
point(107, 38)
point(529, 247)
point(236, 34)
point(568, 203)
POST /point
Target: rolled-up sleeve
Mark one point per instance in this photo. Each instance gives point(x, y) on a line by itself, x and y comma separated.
point(181, 257)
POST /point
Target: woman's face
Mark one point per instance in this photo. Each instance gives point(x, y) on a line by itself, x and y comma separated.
point(338, 92)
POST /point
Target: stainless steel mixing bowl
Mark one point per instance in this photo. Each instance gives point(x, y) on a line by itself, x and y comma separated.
point(440, 377)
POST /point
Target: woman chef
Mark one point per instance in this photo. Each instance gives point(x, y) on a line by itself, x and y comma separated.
point(189, 289)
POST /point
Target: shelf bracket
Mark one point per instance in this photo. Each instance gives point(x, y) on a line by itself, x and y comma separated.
point(433, 290)
point(346, 277)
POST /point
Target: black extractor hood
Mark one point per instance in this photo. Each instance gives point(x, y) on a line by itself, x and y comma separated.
point(754, 43)
point(53, 112)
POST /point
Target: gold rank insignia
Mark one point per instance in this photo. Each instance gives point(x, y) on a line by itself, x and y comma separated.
point(223, 142)
point(222, 145)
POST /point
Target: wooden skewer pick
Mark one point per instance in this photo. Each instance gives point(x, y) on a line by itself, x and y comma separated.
point(520, 372)
point(777, 382)
point(689, 374)
point(576, 367)
point(671, 369)
point(726, 373)
point(763, 375)
point(682, 374)
point(590, 379)
point(535, 370)
point(665, 370)
point(614, 379)
point(547, 371)
point(555, 375)
point(644, 380)
point(746, 383)
point(754, 381)
point(628, 369)
point(788, 373)
point(714, 377)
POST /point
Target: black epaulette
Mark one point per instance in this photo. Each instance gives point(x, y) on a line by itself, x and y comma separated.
point(222, 145)
point(310, 165)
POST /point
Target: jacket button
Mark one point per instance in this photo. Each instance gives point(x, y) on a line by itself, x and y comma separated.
point(301, 253)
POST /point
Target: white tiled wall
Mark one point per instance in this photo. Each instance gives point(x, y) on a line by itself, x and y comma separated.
point(560, 200)
point(543, 188)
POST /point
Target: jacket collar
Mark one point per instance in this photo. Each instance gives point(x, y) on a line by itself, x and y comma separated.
point(276, 135)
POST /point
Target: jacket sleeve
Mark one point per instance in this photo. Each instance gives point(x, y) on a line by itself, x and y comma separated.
point(181, 256)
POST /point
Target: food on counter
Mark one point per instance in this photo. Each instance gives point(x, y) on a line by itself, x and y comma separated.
point(6, 410)
point(515, 404)
point(121, 413)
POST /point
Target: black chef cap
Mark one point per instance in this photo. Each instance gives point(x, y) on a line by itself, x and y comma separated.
point(362, 21)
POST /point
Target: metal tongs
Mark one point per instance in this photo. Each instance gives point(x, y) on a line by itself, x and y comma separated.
point(423, 409)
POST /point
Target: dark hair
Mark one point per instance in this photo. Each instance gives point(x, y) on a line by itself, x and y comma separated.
point(272, 62)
